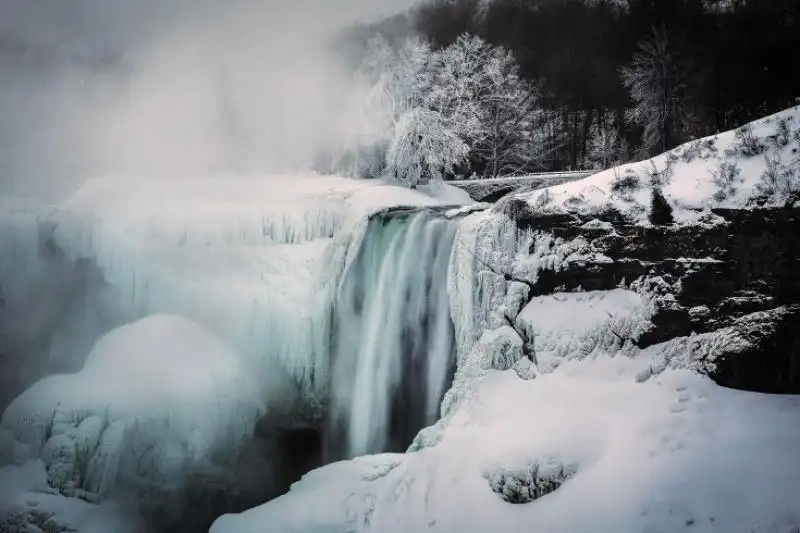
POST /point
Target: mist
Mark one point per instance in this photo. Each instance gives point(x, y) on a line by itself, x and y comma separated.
point(169, 89)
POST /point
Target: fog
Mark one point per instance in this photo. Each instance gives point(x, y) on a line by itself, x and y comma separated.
point(168, 88)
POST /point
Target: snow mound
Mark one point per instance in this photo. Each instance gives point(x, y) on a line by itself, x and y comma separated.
point(161, 387)
point(756, 164)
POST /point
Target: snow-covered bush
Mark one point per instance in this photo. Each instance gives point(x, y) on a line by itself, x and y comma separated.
point(782, 134)
point(724, 177)
point(747, 143)
point(626, 183)
point(533, 482)
point(779, 179)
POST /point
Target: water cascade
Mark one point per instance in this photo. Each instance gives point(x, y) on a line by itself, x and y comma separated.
point(393, 335)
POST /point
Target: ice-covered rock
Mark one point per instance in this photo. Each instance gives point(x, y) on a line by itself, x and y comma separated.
point(162, 375)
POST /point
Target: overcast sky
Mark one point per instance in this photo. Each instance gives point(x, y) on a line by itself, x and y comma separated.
point(167, 87)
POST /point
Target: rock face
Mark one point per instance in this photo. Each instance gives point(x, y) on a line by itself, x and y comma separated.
point(736, 271)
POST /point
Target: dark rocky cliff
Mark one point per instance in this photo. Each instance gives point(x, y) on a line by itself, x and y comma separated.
point(737, 274)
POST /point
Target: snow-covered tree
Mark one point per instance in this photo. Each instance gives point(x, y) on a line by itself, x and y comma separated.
point(511, 141)
point(389, 83)
point(467, 100)
point(423, 148)
point(480, 91)
point(658, 81)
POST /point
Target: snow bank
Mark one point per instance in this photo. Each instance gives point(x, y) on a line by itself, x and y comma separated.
point(667, 455)
point(723, 170)
point(161, 388)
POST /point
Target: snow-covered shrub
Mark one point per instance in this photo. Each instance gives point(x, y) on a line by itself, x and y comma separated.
point(747, 144)
point(543, 200)
point(659, 178)
point(660, 210)
point(532, 482)
point(725, 178)
point(627, 183)
point(779, 179)
point(782, 134)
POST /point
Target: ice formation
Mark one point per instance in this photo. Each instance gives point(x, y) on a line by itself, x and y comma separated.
point(255, 268)
point(256, 260)
point(162, 385)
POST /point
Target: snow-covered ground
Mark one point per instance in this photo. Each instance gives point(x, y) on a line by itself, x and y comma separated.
point(723, 170)
point(672, 454)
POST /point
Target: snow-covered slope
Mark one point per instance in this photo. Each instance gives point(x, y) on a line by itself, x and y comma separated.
point(731, 169)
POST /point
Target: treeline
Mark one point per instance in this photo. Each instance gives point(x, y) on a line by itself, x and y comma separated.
point(624, 79)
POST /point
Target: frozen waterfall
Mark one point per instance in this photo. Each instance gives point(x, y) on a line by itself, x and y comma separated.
point(394, 341)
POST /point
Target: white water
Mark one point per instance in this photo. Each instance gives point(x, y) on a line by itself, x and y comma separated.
point(394, 335)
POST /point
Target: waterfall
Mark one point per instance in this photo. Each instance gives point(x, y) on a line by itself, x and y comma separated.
point(393, 334)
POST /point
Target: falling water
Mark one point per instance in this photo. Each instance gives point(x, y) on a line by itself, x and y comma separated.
point(394, 343)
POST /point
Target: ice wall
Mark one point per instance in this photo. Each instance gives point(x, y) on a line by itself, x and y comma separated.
point(254, 259)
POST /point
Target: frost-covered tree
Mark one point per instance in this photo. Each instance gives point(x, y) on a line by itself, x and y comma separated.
point(510, 141)
point(388, 84)
point(467, 100)
point(658, 81)
point(479, 90)
point(423, 148)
